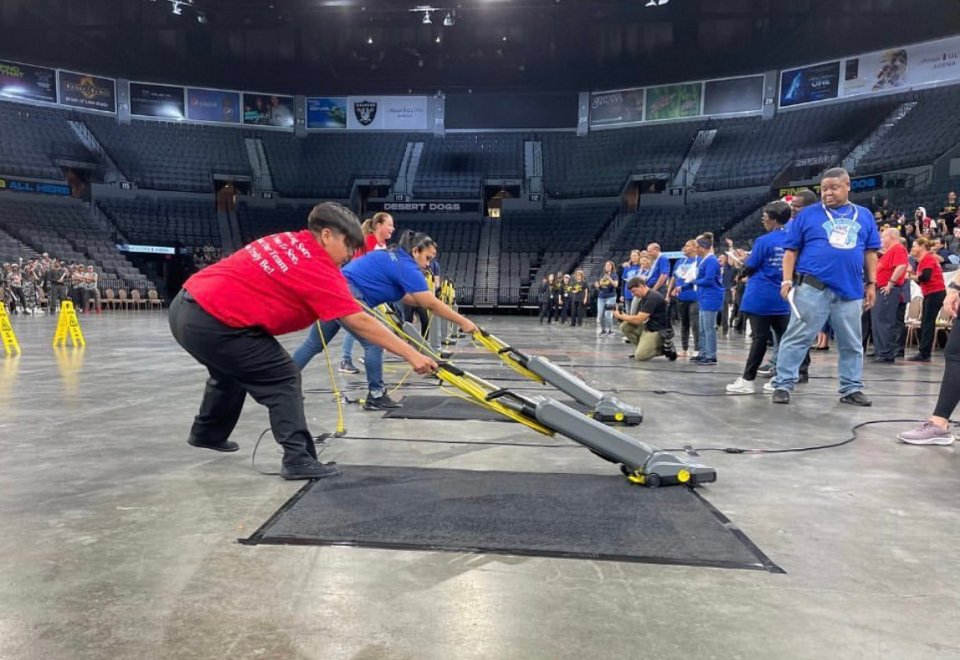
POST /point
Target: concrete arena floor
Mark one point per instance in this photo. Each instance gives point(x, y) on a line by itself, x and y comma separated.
point(119, 541)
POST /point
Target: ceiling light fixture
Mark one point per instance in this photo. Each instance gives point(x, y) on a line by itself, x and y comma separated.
point(177, 9)
point(426, 18)
point(449, 19)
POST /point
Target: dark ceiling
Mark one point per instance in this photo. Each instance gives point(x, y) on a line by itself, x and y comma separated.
point(369, 46)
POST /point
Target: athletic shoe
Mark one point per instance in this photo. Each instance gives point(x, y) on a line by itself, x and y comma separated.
point(803, 378)
point(741, 386)
point(927, 433)
point(310, 470)
point(766, 371)
point(383, 402)
point(694, 355)
point(346, 367)
point(225, 446)
point(781, 396)
point(857, 399)
point(919, 358)
point(769, 388)
point(883, 360)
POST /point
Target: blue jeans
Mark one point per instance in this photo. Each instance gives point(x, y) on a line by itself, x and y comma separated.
point(372, 354)
point(349, 341)
point(816, 308)
point(708, 334)
point(604, 315)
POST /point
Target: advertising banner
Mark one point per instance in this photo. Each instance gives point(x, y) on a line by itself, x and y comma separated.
point(387, 113)
point(613, 108)
point(82, 90)
point(723, 97)
point(425, 207)
point(674, 101)
point(163, 101)
point(900, 68)
point(19, 185)
point(213, 105)
point(809, 84)
point(32, 83)
point(326, 112)
point(267, 110)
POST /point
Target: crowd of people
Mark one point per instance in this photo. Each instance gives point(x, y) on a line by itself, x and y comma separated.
point(40, 284)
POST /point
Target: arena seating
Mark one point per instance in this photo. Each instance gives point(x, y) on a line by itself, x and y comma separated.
point(323, 166)
point(170, 155)
point(455, 166)
point(598, 164)
point(256, 222)
point(67, 230)
point(750, 152)
point(32, 137)
point(164, 222)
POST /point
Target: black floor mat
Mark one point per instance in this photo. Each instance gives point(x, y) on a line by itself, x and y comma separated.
point(450, 407)
point(516, 513)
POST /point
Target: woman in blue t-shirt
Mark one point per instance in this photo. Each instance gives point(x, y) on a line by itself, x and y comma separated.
point(385, 276)
point(767, 311)
point(606, 287)
point(709, 298)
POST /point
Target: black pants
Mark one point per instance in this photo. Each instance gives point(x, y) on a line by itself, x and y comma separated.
point(689, 320)
point(884, 323)
point(546, 309)
point(579, 311)
point(901, 328)
point(408, 313)
point(725, 310)
point(763, 327)
point(950, 385)
point(242, 360)
point(566, 310)
point(928, 321)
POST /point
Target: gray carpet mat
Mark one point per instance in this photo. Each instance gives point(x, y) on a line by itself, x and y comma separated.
point(514, 513)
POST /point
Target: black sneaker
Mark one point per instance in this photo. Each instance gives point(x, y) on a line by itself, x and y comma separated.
point(857, 399)
point(309, 470)
point(919, 358)
point(803, 378)
point(883, 360)
point(225, 446)
point(346, 367)
point(380, 403)
point(781, 396)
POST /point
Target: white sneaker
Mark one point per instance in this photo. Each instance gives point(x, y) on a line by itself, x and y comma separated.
point(741, 386)
point(769, 388)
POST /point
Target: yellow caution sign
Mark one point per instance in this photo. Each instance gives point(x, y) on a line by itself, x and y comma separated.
point(10, 345)
point(68, 325)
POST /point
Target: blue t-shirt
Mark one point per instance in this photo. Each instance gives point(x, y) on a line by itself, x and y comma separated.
point(709, 286)
point(762, 294)
point(685, 266)
point(385, 276)
point(660, 267)
point(630, 271)
point(830, 244)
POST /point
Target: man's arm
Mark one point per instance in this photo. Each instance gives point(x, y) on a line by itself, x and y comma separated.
point(789, 264)
point(870, 292)
point(633, 319)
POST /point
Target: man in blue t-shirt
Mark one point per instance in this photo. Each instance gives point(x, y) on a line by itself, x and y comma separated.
point(385, 276)
point(709, 298)
point(630, 270)
point(682, 290)
point(828, 246)
point(659, 269)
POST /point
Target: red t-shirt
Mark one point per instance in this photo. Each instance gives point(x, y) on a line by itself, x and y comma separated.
point(281, 283)
point(935, 283)
point(370, 244)
point(895, 256)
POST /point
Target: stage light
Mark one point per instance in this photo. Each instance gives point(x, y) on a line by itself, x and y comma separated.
point(201, 19)
point(369, 41)
point(426, 18)
point(437, 40)
point(448, 20)
point(177, 9)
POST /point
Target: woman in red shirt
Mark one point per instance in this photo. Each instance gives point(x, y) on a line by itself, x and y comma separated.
point(376, 231)
point(929, 276)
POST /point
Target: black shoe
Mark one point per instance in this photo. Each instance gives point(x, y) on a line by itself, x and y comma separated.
point(919, 358)
point(310, 470)
point(708, 362)
point(381, 403)
point(225, 446)
point(883, 360)
point(870, 355)
point(445, 355)
point(781, 396)
point(672, 356)
point(803, 378)
point(901, 354)
point(857, 399)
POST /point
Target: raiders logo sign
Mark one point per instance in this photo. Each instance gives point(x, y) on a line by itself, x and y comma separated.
point(365, 112)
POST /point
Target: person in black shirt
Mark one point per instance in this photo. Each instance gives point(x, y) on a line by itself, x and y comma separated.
point(648, 318)
point(949, 211)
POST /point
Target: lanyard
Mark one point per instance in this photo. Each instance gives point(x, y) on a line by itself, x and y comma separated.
point(834, 218)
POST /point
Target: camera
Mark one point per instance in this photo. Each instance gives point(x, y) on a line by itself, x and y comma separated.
point(610, 306)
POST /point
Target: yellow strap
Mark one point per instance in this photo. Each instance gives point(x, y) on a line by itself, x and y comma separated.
point(341, 426)
point(495, 345)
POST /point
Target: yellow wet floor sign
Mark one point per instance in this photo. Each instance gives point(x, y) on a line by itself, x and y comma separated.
point(10, 345)
point(68, 326)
